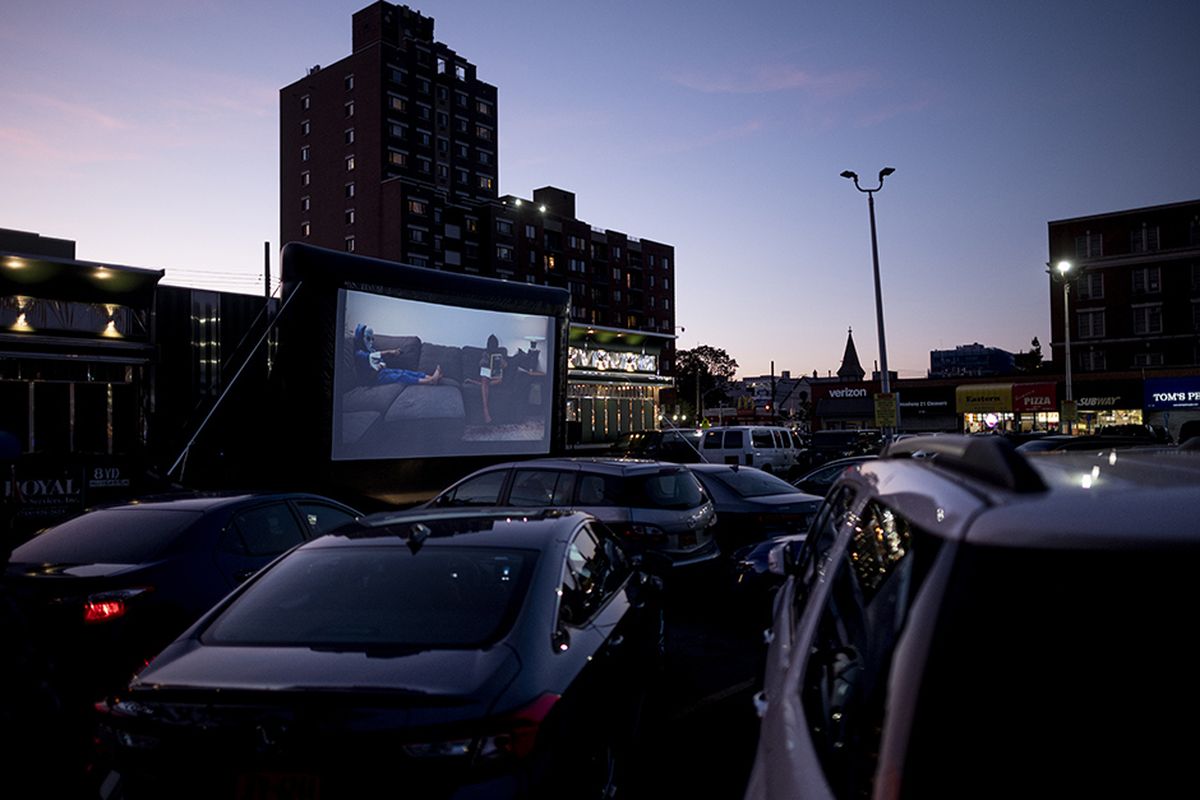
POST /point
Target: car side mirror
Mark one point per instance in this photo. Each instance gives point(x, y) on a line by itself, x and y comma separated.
point(784, 558)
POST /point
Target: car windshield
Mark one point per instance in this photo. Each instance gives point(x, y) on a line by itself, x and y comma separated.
point(108, 536)
point(752, 482)
point(447, 597)
point(673, 489)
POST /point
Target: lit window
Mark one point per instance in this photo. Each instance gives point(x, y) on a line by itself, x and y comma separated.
point(305, 153)
point(349, 163)
point(397, 103)
point(305, 178)
point(460, 72)
point(485, 182)
point(483, 133)
point(417, 207)
point(349, 244)
point(305, 229)
point(349, 216)
point(350, 189)
point(504, 252)
point(441, 66)
point(483, 107)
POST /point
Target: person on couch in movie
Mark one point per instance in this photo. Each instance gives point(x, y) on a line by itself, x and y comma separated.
point(491, 373)
point(370, 365)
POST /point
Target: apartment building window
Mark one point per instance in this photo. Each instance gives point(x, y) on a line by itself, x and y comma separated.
point(304, 203)
point(419, 207)
point(650, 301)
point(443, 95)
point(1147, 359)
point(651, 279)
point(305, 102)
point(616, 273)
point(349, 163)
point(349, 216)
point(350, 109)
point(666, 283)
point(1147, 319)
point(305, 128)
point(483, 132)
point(417, 235)
point(1092, 360)
point(460, 99)
point(652, 260)
point(462, 176)
point(1143, 239)
point(441, 66)
point(486, 182)
point(616, 251)
point(397, 103)
point(461, 150)
point(423, 137)
point(1145, 280)
point(398, 75)
point(424, 111)
point(460, 72)
point(666, 304)
point(651, 323)
point(443, 173)
point(452, 231)
point(443, 120)
point(666, 263)
point(485, 157)
point(349, 244)
point(503, 252)
point(305, 178)
point(305, 229)
point(1090, 323)
point(423, 85)
point(349, 82)
point(575, 242)
point(425, 165)
point(1090, 286)
point(305, 153)
point(1089, 245)
point(349, 136)
point(616, 295)
point(443, 145)
point(530, 232)
point(397, 158)
point(398, 131)
point(350, 189)
point(483, 107)
point(418, 261)
point(453, 258)
point(549, 263)
point(504, 227)
point(472, 225)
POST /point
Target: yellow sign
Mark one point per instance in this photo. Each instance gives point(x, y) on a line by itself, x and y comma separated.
point(885, 410)
point(983, 398)
point(1069, 413)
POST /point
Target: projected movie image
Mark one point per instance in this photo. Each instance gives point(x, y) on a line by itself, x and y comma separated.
point(416, 379)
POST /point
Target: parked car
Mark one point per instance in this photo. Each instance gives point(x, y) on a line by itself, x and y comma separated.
point(651, 505)
point(828, 445)
point(111, 587)
point(819, 480)
point(753, 505)
point(768, 447)
point(1065, 441)
point(439, 653)
point(677, 445)
point(977, 623)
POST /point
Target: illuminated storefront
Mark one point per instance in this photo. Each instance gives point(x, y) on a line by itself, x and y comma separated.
point(1007, 407)
point(1170, 402)
point(613, 382)
point(1107, 404)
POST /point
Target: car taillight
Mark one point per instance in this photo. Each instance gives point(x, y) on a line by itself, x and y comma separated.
point(511, 736)
point(104, 606)
point(634, 529)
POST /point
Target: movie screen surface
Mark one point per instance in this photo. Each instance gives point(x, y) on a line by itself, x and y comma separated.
point(416, 380)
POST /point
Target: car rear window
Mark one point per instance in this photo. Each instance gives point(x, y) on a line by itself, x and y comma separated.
point(380, 597)
point(108, 536)
point(752, 482)
point(674, 489)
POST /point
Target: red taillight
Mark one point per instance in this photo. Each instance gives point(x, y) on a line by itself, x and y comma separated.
point(526, 723)
point(99, 611)
point(110, 605)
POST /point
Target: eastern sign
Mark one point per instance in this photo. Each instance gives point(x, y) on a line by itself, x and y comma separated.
point(984, 398)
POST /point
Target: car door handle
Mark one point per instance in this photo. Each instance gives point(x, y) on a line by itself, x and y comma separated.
point(760, 703)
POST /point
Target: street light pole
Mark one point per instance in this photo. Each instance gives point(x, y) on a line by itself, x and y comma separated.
point(1064, 267)
point(885, 380)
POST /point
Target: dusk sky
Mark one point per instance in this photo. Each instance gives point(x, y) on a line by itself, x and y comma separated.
point(148, 133)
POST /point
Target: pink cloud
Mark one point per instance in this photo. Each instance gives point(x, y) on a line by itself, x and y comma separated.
point(78, 113)
point(747, 128)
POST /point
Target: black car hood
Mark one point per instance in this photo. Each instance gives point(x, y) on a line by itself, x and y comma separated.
point(436, 678)
point(19, 570)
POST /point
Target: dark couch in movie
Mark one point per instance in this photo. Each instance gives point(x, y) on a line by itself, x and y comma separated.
point(384, 419)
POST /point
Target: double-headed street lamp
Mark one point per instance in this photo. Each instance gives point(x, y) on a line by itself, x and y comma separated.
point(1063, 268)
point(885, 379)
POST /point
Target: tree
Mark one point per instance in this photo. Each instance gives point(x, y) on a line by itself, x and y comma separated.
point(1029, 362)
point(712, 367)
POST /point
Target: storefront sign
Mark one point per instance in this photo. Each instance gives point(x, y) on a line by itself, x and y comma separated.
point(44, 497)
point(1164, 394)
point(885, 410)
point(984, 398)
point(611, 360)
point(1108, 395)
point(1034, 397)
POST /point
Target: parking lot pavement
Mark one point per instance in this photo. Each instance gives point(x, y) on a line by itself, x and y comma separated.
point(701, 735)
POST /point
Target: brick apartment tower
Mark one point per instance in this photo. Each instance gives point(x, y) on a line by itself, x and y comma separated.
point(391, 152)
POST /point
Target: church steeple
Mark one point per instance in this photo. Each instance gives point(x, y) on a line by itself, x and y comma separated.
point(850, 370)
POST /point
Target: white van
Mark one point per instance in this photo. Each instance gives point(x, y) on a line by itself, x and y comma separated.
point(768, 447)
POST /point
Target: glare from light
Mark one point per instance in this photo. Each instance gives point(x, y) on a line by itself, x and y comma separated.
point(1087, 481)
point(941, 514)
point(517, 202)
point(1112, 458)
point(103, 274)
point(1063, 267)
point(21, 324)
point(542, 209)
point(1095, 472)
point(16, 263)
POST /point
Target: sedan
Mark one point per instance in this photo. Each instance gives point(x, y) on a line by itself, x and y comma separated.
point(110, 588)
point(439, 653)
point(753, 505)
point(819, 480)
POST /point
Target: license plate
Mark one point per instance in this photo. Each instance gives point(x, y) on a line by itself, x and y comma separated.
point(278, 786)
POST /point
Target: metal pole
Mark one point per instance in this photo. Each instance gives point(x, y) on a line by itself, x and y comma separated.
point(1067, 342)
point(885, 378)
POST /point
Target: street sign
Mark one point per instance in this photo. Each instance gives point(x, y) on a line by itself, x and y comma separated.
point(885, 410)
point(1069, 413)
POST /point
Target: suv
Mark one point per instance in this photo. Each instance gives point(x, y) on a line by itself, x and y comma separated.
point(651, 505)
point(677, 445)
point(979, 623)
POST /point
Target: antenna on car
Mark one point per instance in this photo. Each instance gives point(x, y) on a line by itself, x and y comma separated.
point(417, 535)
